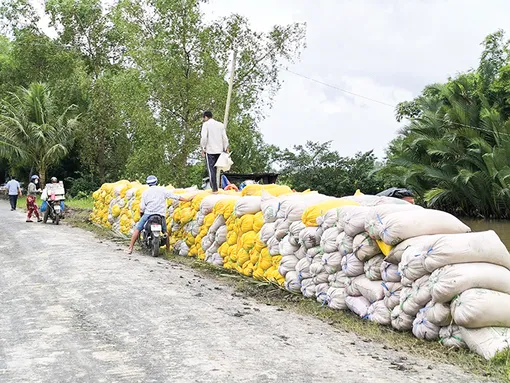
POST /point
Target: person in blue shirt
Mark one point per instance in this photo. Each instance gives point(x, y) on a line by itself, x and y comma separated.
point(14, 190)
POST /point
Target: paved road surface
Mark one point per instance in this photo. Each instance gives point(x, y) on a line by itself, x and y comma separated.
point(74, 308)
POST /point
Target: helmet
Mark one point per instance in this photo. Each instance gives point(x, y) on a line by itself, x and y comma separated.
point(152, 180)
point(34, 177)
point(54, 179)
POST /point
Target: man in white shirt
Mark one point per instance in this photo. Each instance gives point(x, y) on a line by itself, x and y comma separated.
point(14, 190)
point(213, 142)
point(153, 203)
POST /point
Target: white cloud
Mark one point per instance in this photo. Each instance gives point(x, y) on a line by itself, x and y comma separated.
point(384, 49)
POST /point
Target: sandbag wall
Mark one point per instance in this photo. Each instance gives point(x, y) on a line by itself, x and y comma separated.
point(384, 259)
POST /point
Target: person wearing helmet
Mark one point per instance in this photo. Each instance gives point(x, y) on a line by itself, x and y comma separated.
point(32, 191)
point(54, 181)
point(153, 202)
point(400, 193)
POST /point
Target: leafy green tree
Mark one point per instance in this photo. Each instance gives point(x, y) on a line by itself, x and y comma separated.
point(315, 166)
point(32, 131)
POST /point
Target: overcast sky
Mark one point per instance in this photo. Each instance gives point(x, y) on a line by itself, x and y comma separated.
point(387, 50)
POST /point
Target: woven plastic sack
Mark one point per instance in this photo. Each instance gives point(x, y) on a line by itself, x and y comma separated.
point(389, 272)
point(439, 313)
point(379, 313)
point(311, 213)
point(352, 220)
point(329, 240)
point(377, 214)
point(303, 269)
point(345, 244)
point(332, 262)
point(449, 281)
point(365, 247)
point(247, 205)
point(358, 305)
point(392, 292)
point(352, 266)
point(417, 298)
point(450, 336)
point(336, 298)
point(423, 328)
point(371, 290)
point(487, 341)
point(476, 308)
point(400, 320)
point(287, 264)
point(372, 268)
point(267, 231)
point(292, 281)
point(440, 250)
point(337, 279)
point(310, 237)
point(398, 227)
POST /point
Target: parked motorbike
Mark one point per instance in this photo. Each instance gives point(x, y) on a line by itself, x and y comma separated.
point(53, 210)
point(151, 236)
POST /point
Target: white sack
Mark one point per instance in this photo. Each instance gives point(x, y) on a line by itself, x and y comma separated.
point(269, 205)
point(389, 272)
point(365, 247)
point(310, 237)
point(352, 266)
point(292, 282)
point(436, 251)
point(417, 298)
point(379, 313)
point(377, 214)
point(247, 205)
point(392, 292)
point(395, 255)
point(451, 280)
point(287, 264)
point(400, 320)
point(372, 268)
point(308, 288)
point(303, 269)
point(423, 329)
point(358, 305)
point(345, 244)
point(281, 229)
point(398, 227)
point(219, 221)
point(352, 219)
point(221, 235)
point(321, 292)
point(476, 308)
point(286, 248)
point(336, 298)
point(351, 288)
point(332, 262)
point(328, 240)
point(439, 314)
point(337, 280)
point(274, 246)
point(268, 230)
point(450, 336)
point(487, 341)
point(329, 219)
point(371, 290)
point(294, 230)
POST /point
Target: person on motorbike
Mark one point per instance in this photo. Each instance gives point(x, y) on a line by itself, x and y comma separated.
point(32, 191)
point(45, 196)
point(153, 203)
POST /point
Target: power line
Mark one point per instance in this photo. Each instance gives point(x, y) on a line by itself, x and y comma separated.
point(340, 89)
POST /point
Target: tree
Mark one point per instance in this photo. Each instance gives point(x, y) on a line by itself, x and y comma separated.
point(32, 130)
point(454, 151)
point(315, 166)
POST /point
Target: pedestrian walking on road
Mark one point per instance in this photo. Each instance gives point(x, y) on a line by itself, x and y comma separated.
point(31, 197)
point(14, 190)
point(213, 142)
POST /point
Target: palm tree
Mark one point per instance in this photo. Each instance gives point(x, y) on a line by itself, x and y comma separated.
point(33, 131)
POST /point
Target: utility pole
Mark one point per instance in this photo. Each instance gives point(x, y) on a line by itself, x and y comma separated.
point(230, 85)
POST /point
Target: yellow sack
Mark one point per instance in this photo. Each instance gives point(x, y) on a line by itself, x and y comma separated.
point(248, 240)
point(245, 223)
point(274, 190)
point(311, 213)
point(385, 249)
point(258, 221)
point(242, 257)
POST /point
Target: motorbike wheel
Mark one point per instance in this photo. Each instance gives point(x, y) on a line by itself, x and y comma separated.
point(155, 248)
point(45, 216)
point(57, 219)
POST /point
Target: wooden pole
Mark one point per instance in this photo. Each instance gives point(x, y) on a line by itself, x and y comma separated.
point(230, 86)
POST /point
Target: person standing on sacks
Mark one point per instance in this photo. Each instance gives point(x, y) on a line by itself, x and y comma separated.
point(213, 142)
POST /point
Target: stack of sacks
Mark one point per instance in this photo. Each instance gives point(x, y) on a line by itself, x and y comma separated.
point(184, 242)
point(102, 202)
point(216, 234)
point(299, 244)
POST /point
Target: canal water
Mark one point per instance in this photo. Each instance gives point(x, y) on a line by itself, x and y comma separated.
point(501, 227)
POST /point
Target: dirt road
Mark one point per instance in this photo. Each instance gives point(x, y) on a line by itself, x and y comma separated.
point(74, 308)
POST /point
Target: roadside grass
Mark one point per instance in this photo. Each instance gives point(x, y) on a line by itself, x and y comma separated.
point(82, 203)
point(496, 369)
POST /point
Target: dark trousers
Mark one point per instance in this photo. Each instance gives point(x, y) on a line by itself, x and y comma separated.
point(13, 199)
point(210, 160)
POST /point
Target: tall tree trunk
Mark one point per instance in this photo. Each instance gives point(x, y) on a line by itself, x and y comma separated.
point(42, 175)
